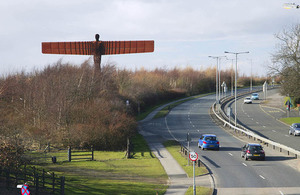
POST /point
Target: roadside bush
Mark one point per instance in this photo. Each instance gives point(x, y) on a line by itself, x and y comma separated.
point(10, 156)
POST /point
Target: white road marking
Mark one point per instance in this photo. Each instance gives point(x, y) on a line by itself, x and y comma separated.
point(245, 164)
point(264, 126)
point(252, 119)
point(281, 192)
point(191, 122)
point(193, 125)
point(262, 177)
point(230, 154)
point(287, 135)
point(274, 131)
point(257, 122)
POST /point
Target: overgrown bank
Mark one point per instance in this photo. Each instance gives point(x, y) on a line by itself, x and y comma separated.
point(67, 105)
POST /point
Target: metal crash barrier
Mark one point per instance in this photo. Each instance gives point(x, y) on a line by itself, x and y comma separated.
point(247, 132)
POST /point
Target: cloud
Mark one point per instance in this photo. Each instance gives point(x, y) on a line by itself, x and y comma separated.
point(185, 32)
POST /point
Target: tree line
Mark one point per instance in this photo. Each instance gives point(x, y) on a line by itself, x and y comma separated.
point(68, 105)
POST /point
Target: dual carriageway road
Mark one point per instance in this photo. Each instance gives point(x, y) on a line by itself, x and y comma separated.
point(231, 173)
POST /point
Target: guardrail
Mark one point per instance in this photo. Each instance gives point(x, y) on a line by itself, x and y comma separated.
point(247, 132)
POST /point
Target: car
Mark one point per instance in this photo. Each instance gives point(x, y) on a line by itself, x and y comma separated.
point(253, 151)
point(247, 100)
point(255, 96)
point(295, 129)
point(209, 141)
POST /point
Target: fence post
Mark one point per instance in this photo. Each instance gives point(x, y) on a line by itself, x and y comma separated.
point(34, 175)
point(92, 152)
point(199, 163)
point(69, 154)
point(16, 182)
point(36, 184)
point(53, 183)
point(62, 185)
point(7, 178)
point(43, 178)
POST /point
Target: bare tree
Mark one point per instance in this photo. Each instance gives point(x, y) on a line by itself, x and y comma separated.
point(286, 61)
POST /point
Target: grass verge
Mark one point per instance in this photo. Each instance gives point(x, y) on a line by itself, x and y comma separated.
point(112, 173)
point(291, 120)
point(174, 148)
point(199, 191)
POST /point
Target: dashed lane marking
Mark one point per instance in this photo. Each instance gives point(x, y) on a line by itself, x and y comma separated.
point(245, 164)
point(281, 192)
point(262, 177)
point(230, 154)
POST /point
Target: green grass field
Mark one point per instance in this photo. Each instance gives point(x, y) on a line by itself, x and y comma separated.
point(111, 172)
point(291, 120)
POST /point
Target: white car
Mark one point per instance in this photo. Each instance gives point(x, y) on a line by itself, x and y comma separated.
point(248, 100)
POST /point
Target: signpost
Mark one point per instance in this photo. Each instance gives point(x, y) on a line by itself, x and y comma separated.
point(265, 89)
point(288, 104)
point(193, 156)
point(25, 190)
point(97, 48)
point(188, 139)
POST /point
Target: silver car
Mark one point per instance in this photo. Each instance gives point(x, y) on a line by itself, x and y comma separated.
point(247, 100)
point(295, 129)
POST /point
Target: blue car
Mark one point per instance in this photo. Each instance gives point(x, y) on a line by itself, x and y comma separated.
point(255, 96)
point(209, 141)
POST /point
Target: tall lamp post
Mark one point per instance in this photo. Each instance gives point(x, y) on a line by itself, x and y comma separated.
point(231, 75)
point(251, 76)
point(217, 79)
point(236, 53)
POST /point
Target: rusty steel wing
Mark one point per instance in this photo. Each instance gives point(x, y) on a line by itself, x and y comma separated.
point(126, 47)
point(97, 47)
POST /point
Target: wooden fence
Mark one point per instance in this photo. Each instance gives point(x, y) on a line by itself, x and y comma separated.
point(80, 154)
point(39, 181)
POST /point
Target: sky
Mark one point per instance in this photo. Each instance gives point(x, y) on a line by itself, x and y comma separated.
point(185, 32)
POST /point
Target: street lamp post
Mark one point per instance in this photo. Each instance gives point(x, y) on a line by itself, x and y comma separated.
point(235, 82)
point(251, 77)
point(231, 76)
point(217, 77)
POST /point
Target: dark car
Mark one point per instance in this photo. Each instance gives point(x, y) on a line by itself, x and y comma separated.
point(295, 129)
point(253, 151)
point(209, 141)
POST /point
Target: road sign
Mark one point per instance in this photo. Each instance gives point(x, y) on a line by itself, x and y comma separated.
point(25, 190)
point(193, 156)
